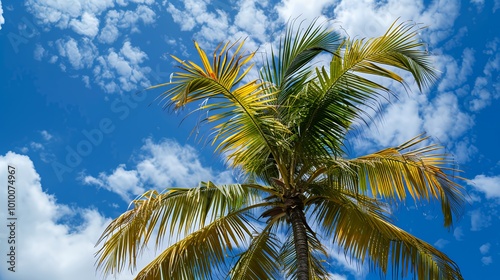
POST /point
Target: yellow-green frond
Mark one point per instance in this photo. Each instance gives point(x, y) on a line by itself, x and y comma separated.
point(360, 226)
point(172, 213)
point(202, 253)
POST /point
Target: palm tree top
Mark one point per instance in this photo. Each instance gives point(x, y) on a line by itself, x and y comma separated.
point(285, 130)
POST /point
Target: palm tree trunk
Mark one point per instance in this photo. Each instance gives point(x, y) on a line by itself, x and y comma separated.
point(300, 239)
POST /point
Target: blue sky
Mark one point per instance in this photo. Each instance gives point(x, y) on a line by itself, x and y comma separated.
point(84, 144)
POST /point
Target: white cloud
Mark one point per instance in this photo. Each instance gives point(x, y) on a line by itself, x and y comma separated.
point(490, 186)
point(485, 248)
point(2, 20)
point(47, 246)
point(117, 20)
point(113, 72)
point(496, 5)
point(88, 25)
point(121, 181)
point(341, 259)
point(454, 75)
point(444, 119)
point(335, 276)
point(252, 19)
point(36, 146)
point(291, 9)
point(479, 4)
point(400, 121)
point(458, 233)
point(487, 87)
point(487, 260)
point(39, 52)
point(439, 16)
point(46, 135)
point(441, 243)
point(80, 55)
point(63, 14)
point(123, 67)
point(160, 165)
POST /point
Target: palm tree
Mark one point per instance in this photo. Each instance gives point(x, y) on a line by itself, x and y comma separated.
point(286, 131)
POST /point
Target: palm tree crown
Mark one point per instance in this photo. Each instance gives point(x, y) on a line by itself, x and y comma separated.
point(286, 131)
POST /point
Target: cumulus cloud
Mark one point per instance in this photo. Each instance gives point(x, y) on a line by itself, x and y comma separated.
point(290, 9)
point(87, 25)
point(122, 70)
point(120, 20)
point(160, 165)
point(490, 186)
point(444, 119)
point(65, 14)
point(80, 50)
point(46, 233)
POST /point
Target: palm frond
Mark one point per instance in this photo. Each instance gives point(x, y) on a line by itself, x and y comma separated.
point(202, 253)
point(285, 71)
point(317, 257)
point(360, 225)
point(337, 96)
point(423, 173)
point(174, 212)
point(259, 260)
point(242, 112)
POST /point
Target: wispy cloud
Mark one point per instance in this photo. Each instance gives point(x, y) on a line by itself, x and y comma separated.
point(479, 220)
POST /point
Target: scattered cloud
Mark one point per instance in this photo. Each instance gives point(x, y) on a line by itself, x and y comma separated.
point(485, 248)
point(116, 20)
point(79, 54)
point(65, 14)
point(159, 165)
point(46, 135)
point(454, 75)
point(487, 87)
point(121, 70)
point(36, 146)
point(88, 25)
point(490, 186)
point(39, 53)
point(458, 233)
point(441, 243)
point(487, 260)
point(478, 3)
